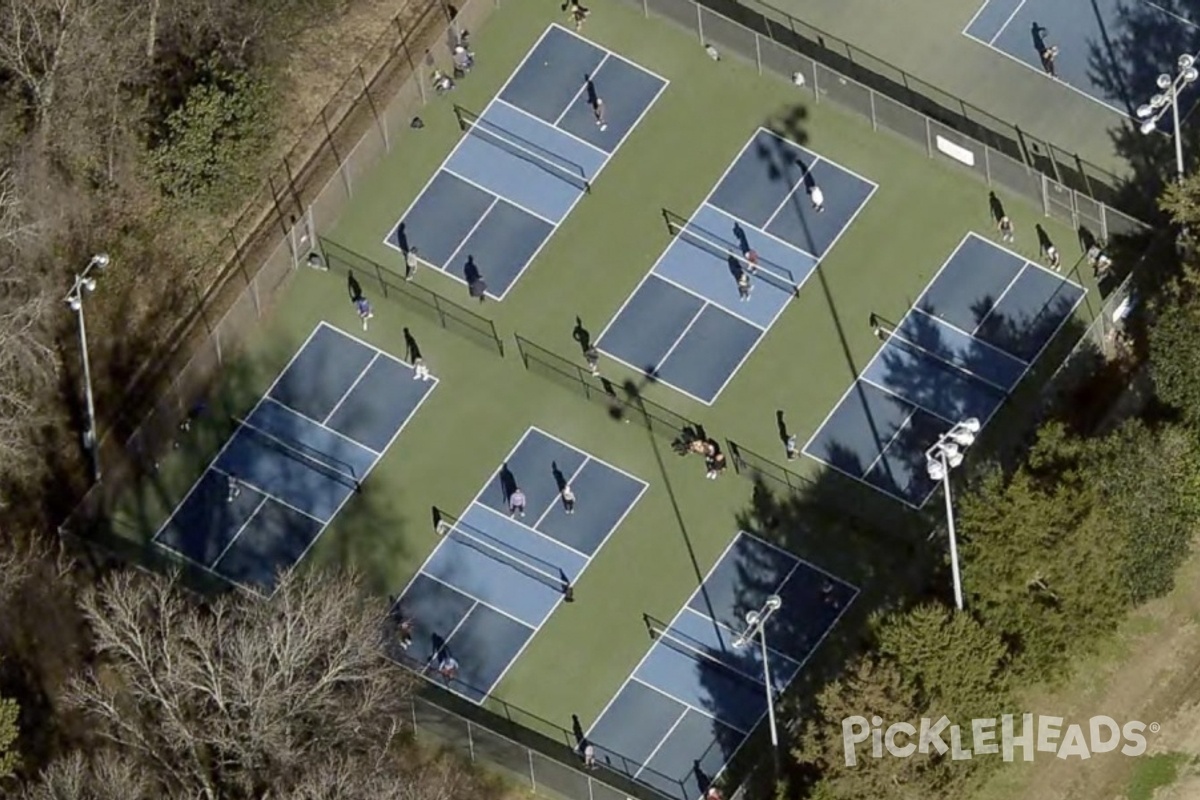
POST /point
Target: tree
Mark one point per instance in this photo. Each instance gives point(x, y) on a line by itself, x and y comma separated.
point(872, 687)
point(210, 154)
point(1174, 357)
point(227, 697)
point(956, 665)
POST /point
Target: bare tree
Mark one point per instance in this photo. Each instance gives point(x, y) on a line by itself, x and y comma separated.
point(227, 697)
point(28, 364)
point(100, 774)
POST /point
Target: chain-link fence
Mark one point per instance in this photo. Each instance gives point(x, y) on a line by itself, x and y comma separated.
point(368, 115)
point(1064, 186)
point(624, 401)
point(393, 286)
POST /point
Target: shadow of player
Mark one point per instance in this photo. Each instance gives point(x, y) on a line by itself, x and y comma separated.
point(412, 350)
point(739, 233)
point(1039, 37)
point(781, 426)
point(593, 98)
point(354, 288)
point(582, 335)
point(1044, 240)
point(735, 267)
point(996, 207)
point(508, 482)
point(402, 238)
point(560, 480)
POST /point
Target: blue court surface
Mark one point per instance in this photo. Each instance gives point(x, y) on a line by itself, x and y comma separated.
point(529, 158)
point(295, 459)
point(1092, 40)
point(686, 324)
point(494, 579)
point(958, 353)
point(694, 699)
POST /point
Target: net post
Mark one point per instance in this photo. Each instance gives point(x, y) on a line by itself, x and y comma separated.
point(521, 350)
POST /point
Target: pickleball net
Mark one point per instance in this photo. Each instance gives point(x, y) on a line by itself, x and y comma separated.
point(295, 450)
point(759, 269)
point(529, 565)
point(685, 645)
point(552, 163)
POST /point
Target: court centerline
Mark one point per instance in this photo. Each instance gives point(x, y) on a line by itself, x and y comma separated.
point(466, 594)
point(706, 299)
point(791, 192)
point(262, 502)
point(717, 623)
point(758, 232)
point(553, 126)
point(996, 302)
point(471, 231)
point(1015, 11)
point(527, 527)
point(686, 705)
point(501, 198)
point(555, 502)
point(883, 450)
point(905, 400)
point(350, 389)
point(575, 97)
point(262, 490)
point(589, 455)
point(678, 339)
point(645, 764)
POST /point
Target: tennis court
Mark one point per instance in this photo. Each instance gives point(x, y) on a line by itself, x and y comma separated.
point(958, 353)
point(695, 698)
point(293, 462)
point(687, 324)
point(526, 161)
point(1089, 36)
point(496, 577)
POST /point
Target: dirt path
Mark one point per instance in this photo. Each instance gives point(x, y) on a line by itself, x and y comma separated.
point(1149, 672)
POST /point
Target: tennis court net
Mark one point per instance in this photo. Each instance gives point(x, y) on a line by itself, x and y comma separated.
point(546, 160)
point(699, 651)
point(750, 262)
point(332, 468)
point(529, 565)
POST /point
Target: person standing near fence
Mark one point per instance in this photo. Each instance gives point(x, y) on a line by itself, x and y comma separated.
point(411, 263)
point(592, 356)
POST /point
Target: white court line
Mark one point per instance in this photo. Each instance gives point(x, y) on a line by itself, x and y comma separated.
point(587, 563)
point(791, 193)
point(999, 297)
point(575, 97)
point(811, 652)
point(500, 101)
point(555, 502)
point(664, 382)
point(445, 269)
point(1053, 273)
point(521, 524)
point(243, 526)
point(470, 231)
point(975, 16)
point(465, 593)
point(263, 498)
point(687, 706)
point(229, 441)
point(1020, 5)
point(861, 479)
point(735, 634)
point(322, 425)
point(679, 339)
point(936, 320)
point(661, 742)
point(912, 403)
point(811, 272)
point(346, 393)
point(646, 655)
point(1170, 13)
point(272, 497)
point(497, 197)
point(589, 455)
point(709, 301)
point(432, 386)
point(757, 231)
point(1039, 71)
point(899, 430)
point(612, 53)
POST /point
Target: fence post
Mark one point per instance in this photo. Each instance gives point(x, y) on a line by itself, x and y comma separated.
point(700, 24)
point(758, 52)
point(928, 138)
point(871, 96)
point(532, 773)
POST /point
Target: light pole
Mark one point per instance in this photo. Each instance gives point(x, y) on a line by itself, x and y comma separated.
point(1168, 97)
point(84, 283)
point(756, 623)
point(945, 455)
